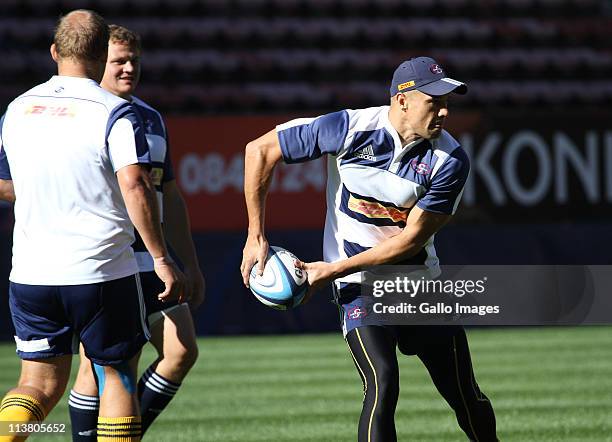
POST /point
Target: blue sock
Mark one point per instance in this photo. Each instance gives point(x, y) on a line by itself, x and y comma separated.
point(83, 416)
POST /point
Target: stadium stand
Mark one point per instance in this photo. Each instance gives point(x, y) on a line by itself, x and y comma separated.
point(228, 56)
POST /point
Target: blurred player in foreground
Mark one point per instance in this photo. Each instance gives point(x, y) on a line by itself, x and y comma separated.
point(78, 160)
point(172, 329)
point(395, 177)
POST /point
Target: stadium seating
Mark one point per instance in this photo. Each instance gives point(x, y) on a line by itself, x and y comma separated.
point(285, 55)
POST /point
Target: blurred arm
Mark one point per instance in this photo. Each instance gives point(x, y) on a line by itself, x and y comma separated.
point(178, 234)
point(7, 191)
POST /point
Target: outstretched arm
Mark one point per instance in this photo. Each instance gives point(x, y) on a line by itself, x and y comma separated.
point(261, 156)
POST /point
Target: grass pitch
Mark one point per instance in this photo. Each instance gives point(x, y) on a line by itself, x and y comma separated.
point(552, 384)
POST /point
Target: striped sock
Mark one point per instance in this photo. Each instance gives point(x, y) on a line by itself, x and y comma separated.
point(119, 429)
point(20, 408)
point(83, 416)
point(154, 393)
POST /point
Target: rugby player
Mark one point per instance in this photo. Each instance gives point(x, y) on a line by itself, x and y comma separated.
point(395, 177)
point(172, 329)
point(77, 160)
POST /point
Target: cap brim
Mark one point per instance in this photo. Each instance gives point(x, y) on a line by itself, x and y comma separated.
point(443, 86)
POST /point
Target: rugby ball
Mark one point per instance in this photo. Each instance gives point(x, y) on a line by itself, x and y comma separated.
point(282, 285)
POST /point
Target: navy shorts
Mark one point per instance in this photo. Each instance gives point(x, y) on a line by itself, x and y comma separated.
point(151, 287)
point(355, 308)
point(107, 317)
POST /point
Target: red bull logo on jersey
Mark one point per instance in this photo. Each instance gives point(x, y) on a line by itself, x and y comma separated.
point(373, 209)
point(52, 111)
point(356, 312)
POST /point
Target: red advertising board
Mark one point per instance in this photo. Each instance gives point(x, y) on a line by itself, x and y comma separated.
point(208, 158)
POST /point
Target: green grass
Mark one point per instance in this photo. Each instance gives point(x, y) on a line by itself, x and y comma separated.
point(552, 384)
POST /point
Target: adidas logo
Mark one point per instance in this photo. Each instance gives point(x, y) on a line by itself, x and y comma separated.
point(366, 153)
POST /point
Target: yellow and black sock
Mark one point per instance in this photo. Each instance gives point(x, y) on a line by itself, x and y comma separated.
point(19, 408)
point(119, 429)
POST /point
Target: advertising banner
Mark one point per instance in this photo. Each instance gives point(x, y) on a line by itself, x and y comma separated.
point(536, 167)
point(208, 158)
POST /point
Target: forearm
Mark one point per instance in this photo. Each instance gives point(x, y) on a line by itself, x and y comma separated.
point(420, 226)
point(141, 203)
point(258, 169)
point(178, 230)
point(390, 251)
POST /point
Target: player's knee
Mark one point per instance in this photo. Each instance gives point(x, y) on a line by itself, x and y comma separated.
point(182, 357)
point(85, 372)
point(85, 382)
point(50, 390)
point(191, 355)
point(387, 381)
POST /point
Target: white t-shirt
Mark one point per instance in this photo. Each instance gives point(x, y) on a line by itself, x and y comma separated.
point(62, 143)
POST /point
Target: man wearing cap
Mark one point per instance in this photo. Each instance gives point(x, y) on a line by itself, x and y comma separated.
point(395, 177)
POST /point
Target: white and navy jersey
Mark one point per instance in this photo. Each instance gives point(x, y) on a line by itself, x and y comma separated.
point(62, 143)
point(161, 169)
point(373, 181)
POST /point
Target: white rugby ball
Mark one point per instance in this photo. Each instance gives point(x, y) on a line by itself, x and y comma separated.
point(282, 285)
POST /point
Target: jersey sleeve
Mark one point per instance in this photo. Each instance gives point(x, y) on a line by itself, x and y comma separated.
point(5, 170)
point(126, 139)
point(307, 139)
point(447, 184)
point(168, 169)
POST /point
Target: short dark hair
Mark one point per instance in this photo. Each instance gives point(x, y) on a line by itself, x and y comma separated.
point(81, 35)
point(119, 34)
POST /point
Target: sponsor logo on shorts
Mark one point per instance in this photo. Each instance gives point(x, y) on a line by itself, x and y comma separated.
point(356, 312)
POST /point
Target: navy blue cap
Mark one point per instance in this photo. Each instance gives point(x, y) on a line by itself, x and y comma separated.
point(425, 75)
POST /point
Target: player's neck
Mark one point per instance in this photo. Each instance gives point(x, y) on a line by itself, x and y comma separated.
point(405, 131)
point(69, 68)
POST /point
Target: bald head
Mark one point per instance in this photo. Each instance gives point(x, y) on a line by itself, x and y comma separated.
point(81, 35)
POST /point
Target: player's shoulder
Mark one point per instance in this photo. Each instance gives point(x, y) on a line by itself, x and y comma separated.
point(146, 110)
point(154, 122)
point(145, 107)
point(112, 102)
point(38, 90)
point(450, 149)
point(446, 143)
point(75, 89)
point(369, 118)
